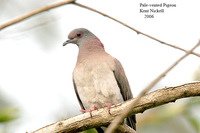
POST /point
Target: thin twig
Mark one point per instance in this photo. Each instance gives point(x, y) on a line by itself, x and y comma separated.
point(34, 12)
point(112, 127)
point(137, 31)
point(53, 5)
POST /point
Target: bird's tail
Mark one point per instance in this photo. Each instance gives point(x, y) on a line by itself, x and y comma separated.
point(131, 121)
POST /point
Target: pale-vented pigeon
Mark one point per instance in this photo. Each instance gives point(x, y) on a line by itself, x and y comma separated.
point(99, 79)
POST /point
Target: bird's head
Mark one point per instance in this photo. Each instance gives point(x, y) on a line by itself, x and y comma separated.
point(78, 36)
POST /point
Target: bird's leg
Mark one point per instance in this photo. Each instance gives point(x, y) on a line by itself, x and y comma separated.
point(108, 106)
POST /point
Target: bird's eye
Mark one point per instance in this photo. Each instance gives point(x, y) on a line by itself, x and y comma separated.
point(78, 35)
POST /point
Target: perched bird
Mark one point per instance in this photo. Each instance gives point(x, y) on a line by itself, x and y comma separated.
point(99, 79)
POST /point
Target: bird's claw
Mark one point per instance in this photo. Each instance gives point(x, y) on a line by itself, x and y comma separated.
point(108, 106)
point(89, 110)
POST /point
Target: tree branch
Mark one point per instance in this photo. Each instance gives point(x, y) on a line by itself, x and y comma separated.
point(137, 31)
point(34, 12)
point(60, 3)
point(101, 117)
point(113, 126)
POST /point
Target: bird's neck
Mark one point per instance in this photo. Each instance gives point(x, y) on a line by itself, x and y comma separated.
point(90, 47)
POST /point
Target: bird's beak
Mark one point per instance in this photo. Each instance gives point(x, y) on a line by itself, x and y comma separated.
point(66, 42)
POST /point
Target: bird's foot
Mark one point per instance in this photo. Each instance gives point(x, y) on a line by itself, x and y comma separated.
point(85, 111)
point(108, 106)
point(95, 107)
point(89, 110)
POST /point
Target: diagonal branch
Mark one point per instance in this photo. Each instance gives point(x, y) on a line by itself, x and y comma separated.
point(101, 117)
point(137, 31)
point(34, 12)
point(120, 118)
point(60, 3)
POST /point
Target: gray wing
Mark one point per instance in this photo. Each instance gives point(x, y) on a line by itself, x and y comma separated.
point(77, 95)
point(125, 90)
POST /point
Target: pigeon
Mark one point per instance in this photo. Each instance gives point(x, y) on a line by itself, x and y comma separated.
point(99, 79)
